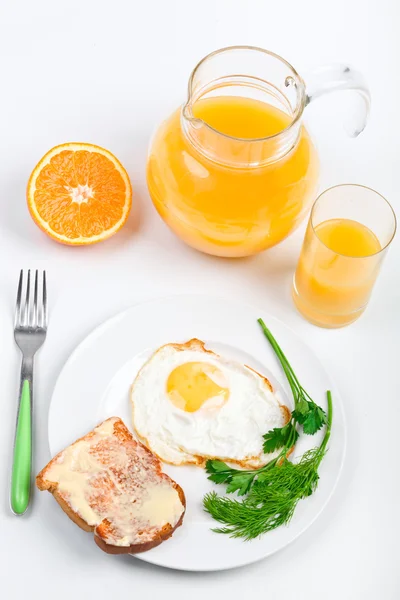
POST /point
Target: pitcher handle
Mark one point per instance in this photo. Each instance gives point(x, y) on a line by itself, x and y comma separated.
point(335, 78)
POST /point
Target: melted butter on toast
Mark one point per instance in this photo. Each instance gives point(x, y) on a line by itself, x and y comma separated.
point(116, 483)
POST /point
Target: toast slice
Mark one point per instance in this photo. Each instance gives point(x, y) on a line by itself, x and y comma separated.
point(110, 484)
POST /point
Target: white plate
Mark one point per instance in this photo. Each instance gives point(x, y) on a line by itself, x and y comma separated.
point(94, 384)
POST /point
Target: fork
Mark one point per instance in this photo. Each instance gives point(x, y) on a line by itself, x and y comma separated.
point(30, 328)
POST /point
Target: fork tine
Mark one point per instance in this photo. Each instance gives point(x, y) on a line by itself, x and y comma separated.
point(25, 316)
point(44, 310)
point(35, 314)
point(18, 304)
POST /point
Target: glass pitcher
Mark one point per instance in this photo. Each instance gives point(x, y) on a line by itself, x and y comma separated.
point(234, 171)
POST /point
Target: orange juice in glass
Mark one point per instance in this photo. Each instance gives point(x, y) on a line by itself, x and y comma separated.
point(349, 231)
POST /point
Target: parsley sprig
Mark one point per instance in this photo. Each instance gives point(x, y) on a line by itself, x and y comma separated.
point(306, 412)
point(272, 491)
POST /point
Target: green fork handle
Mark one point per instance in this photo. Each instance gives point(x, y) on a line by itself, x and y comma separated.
point(22, 460)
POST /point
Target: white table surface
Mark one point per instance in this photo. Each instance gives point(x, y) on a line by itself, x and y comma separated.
point(106, 72)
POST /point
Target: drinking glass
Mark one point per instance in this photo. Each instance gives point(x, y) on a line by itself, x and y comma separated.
point(348, 234)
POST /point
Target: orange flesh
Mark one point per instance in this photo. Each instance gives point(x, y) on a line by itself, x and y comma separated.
point(79, 194)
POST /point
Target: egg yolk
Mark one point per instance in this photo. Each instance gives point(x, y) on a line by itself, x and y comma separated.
point(191, 384)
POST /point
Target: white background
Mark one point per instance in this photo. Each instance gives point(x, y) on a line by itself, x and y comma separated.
point(106, 72)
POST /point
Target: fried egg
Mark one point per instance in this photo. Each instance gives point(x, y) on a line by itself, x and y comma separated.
point(190, 404)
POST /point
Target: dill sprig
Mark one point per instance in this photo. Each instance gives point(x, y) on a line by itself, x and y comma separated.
point(272, 499)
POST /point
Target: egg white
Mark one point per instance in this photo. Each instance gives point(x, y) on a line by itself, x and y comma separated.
point(231, 432)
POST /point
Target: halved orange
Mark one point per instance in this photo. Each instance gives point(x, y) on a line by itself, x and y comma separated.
point(79, 194)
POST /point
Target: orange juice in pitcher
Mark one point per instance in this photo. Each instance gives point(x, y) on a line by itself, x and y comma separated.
point(234, 170)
